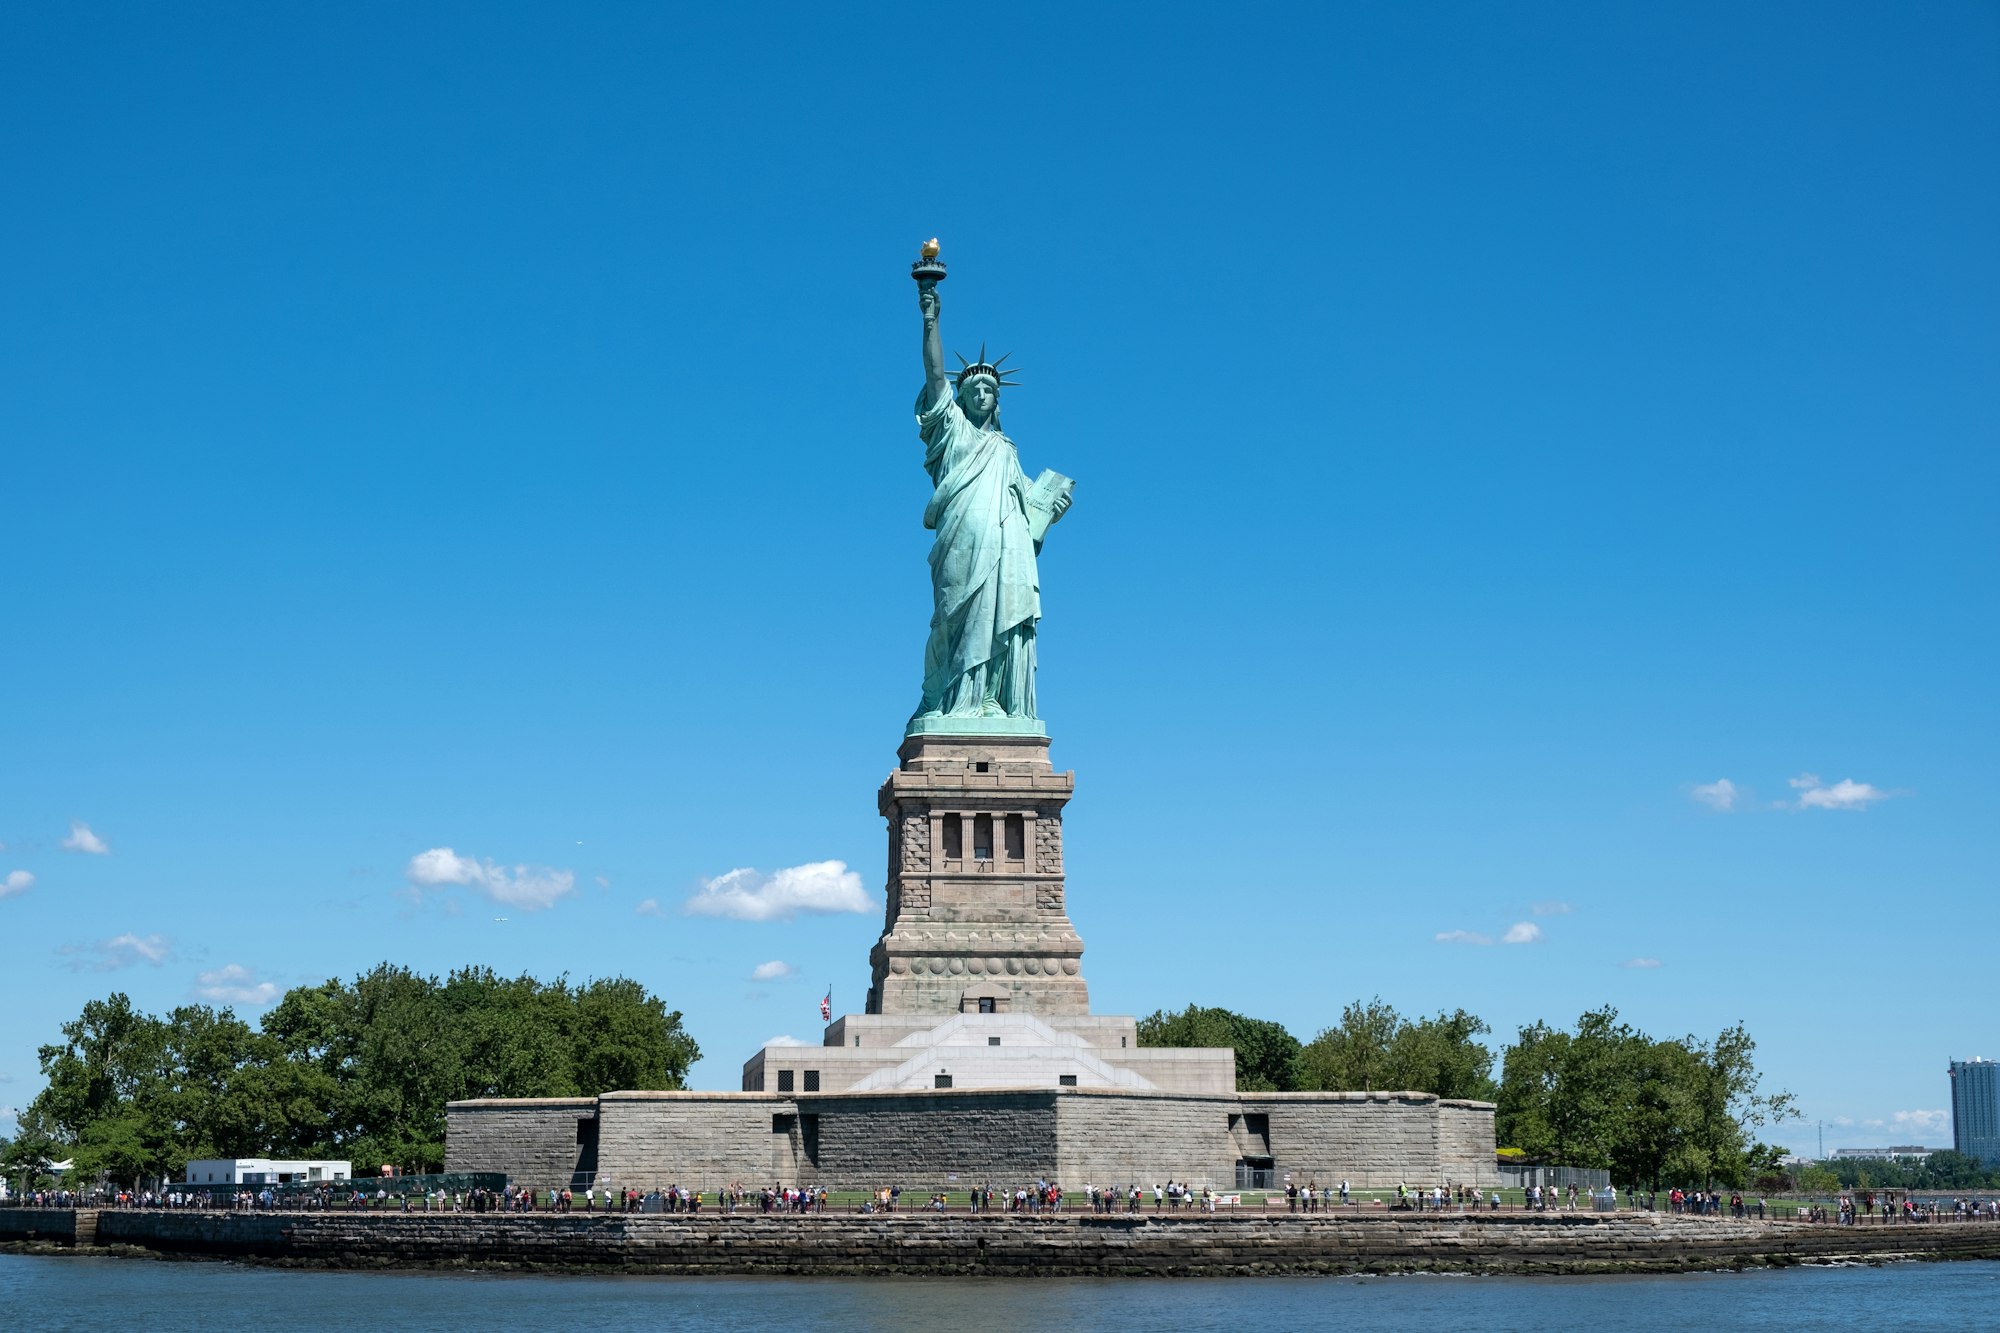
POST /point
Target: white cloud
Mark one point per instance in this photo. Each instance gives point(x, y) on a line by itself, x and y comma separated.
point(530, 888)
point(1640, 962)
point(1845, 1122)
point(17, 881)
point(1522, 932)
point(1846, 794)
point(603, 882)
point(1462, 937)
point(1803, 781)
point(1720, 794)
point(81, 839)
point(775, 970)
point(125, 950)
point(439, 866)
point(234, 983)
point(744, 895)
point(1551, 907)
point(785, 1041)
point(650, 907)
point(1936, 1122)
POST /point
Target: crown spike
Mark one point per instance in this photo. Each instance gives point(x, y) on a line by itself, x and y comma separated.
point(997, 371)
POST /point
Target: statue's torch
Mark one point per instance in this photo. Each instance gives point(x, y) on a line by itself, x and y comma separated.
point(928, 268)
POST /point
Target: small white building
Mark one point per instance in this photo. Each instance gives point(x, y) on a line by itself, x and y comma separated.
point(1902, 1152)
point(264, 1171)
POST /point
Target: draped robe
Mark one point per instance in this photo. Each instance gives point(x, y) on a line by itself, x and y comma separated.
point(980, 658)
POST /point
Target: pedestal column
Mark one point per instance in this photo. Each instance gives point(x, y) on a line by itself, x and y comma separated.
point(976, 916)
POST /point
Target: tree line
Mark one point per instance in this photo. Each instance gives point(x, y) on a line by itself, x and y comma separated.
point(361, 1070)
point(1942, 1170)
point(1652, 1111)
point(357, 1070)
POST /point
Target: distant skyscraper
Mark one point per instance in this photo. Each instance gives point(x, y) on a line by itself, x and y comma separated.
point(1975, 1109)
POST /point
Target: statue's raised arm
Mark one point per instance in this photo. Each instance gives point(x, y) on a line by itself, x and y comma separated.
point(937, 385)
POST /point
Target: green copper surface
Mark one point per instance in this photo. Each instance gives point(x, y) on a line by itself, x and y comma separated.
point(946, 725)
point(990, 520)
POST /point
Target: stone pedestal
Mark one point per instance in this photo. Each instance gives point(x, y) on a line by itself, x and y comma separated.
point(976, 918)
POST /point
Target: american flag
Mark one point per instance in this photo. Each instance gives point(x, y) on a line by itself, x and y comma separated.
point(826, 1006)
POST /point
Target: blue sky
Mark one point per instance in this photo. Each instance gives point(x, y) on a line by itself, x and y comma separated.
point(488, 428)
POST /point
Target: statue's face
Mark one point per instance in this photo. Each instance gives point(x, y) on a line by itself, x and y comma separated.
point(981, 397)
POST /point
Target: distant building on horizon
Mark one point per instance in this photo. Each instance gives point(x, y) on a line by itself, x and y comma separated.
point(1975, 1109)
point(1903, 1151)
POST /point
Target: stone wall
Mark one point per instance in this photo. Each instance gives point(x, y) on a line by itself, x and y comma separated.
point(1465, 1143)
point(540, 1139)
point(930, 1140)
point(700, 1140)
point(1376, 1140)
point(922, 1141)
point(1144, 1139)
point(47, 1225)
point(1003, 1245)
point(935, 1141)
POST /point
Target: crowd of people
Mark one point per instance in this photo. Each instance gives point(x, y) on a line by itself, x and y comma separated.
point(61, 1199)
point(1031, 1199)
point(1707, 1203)
point(1853, 1209)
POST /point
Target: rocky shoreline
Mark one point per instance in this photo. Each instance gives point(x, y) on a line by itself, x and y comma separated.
point(930, 1245)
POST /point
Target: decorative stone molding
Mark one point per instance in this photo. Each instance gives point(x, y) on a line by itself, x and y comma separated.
point(951, 917)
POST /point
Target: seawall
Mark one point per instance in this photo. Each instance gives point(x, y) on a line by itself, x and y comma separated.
point(1087, 1245)
point(931, 1139)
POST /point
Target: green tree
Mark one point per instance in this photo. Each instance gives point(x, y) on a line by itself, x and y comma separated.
point(625, 1038)
point(359, 1070)
point(1444, 1055)
point(1374, 1047)
point(26, 1157)
point(1356, 1053)
point(1650, 1111)
point(106, 1095)
point(1949, 1170)
point(1267, 1056)
point(1722, 1086)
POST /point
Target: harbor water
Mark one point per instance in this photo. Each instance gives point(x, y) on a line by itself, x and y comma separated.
point(161, 1296)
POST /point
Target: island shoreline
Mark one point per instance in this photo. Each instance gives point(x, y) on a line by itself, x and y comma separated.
point(927, 1245)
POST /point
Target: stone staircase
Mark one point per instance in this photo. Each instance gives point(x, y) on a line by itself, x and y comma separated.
point(86, 1227)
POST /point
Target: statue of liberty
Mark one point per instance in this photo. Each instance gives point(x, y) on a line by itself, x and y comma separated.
point(979, 663)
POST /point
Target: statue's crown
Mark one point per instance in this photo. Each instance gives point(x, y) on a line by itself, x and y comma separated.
point(991, 369)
